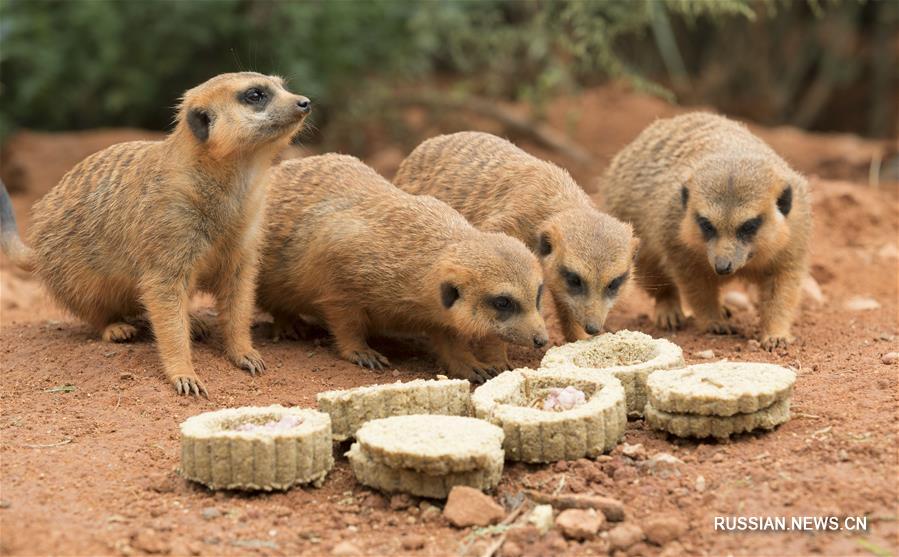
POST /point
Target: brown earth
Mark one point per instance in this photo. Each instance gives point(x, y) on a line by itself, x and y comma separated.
point(91, 471)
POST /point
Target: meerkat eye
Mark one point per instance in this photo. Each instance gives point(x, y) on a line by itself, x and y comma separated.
point(785, 201)
point(254, 95)
point(502, 303)
point(615, 285)
point(573, 280)
point(748, 229)
point(707, 228)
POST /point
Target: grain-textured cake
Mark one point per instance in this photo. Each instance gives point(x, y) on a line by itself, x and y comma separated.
point(256, 448)
point(629, 355)
point(698, 425)
point(426, 455)
point(538, 432)
point(351, 408)
point(721, 388)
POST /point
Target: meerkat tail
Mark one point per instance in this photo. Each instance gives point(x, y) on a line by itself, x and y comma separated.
point(10, 242)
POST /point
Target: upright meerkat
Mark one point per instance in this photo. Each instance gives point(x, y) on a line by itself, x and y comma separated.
point(346, 248)
point(140, 226)
point(586, 254)
point(712, 202)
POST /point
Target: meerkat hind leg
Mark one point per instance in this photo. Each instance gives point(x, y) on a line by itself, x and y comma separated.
point(668, 313)
point(348, 328)
point(119, 332)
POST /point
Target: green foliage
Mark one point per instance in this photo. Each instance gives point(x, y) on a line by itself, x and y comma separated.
point(87, 63)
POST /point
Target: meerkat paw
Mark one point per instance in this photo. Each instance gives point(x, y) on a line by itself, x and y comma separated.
point(498, 365)
point(189, 384)
point(474, 371)
point(295, 329)
point(119, 332)
point(249, 360)
point(368, 358)
point(669, 315)
point(773, 342)
point(722, 328)
point(200, 327)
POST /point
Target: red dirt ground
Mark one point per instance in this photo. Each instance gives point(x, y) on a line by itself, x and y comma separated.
point(92, 471)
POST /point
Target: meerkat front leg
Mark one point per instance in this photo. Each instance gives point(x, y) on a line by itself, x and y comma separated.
point(779, 296)
point(348, 326)
point(289, 327)
point(570, 328)
point(495, 354)
point(234, 302)
point(458, 360)
point(668, 313)
point(703, 294)
point(167, 308)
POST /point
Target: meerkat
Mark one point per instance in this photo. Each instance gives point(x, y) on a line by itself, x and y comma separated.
point(711, 202)
point(586, 255)
point(136, 228)
point(346, 249)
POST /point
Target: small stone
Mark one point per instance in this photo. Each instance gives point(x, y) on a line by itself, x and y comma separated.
point(467, 506)
point(664, 464)
point(625, 535)
point(862, 303)
point(542, 518)
point(400, 502)
point(700, 484)
point(843, 455)
point(661, 529)
point(429, 512)
point(345, 549)
point(705, 354)
point(525, 535)
point(673, 549)
point(210, 513)
point(413, 541)
point(717, 457)
point(754, 344)
point(812, 290)
point(890, 358)
point(888, 251)
point(375, 501)
point(580, 524)
point(737, 299)
point(149, 541)
point(5, 504)
point(636, 451)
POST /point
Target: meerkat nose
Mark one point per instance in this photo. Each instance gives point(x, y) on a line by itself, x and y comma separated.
point(304, 104)
point(724, 267)
point(540, 341)
point(591, 329)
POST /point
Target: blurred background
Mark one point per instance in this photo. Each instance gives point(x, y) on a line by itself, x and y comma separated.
point(575, 80)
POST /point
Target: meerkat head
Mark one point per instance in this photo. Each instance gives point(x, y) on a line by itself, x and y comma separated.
point(587, 258)
point(242, 112)
point(492, 285)
point(737, 211)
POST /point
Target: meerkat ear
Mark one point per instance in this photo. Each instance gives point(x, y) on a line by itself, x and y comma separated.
point(785, 201)
point(545, 245)
point(448, 294)
point(198, 121)
point(635, 247)
point(684, 196)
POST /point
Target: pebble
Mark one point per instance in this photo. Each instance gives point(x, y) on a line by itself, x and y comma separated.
point(700, 483)
point(861, 303)
point(512, 549)
point(625, 535)
point(345, 549)
point(890, 358)
point(149, 541)
point(661, 529)
point(636, 451)
point(542, 518)
point(467, 506)
point(413, 541)
point(673, 549)
point(400, 502)
point(705, 354)
point(664, 464)
point(429, 512)
point(754, 344)
point(580, 524)
point(888, 251)
point(210, 513)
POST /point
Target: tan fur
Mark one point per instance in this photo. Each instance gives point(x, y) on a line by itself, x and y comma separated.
point(140, 226)
point(499, 187)
point(731, 176)
point(346, 248)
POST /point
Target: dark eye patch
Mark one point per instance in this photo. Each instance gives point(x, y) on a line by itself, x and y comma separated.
point(257, 96)
point(613, 287)
point(573, 281)
point(505, 306)
point(748, 229)
point(707, 228)
point(546, 247)
point(539, 295)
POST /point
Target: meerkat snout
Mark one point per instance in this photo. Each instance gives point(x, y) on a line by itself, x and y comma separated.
point(304, 104)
